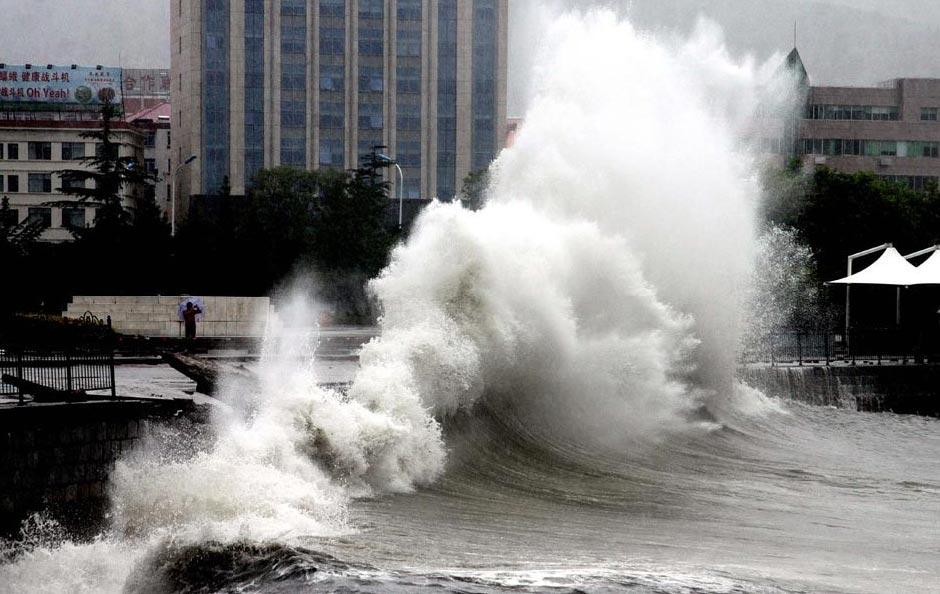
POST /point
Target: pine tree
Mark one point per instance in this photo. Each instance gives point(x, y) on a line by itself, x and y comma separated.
point(109, 174)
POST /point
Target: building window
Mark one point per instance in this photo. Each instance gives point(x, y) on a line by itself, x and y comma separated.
point(332, 115)
point(68, 184)
point(332, 41)
point(370, 116)
point(928, 114)
point(331, 152)
point(409, 10)
point(40, 151)
point(13, 183)
point(73, 218)
point(371, 78)
point(13, 151)
point(40, 183)
point(409, 43)
point(371, 42)
point(332, 77)
point(332, 8)
point(150, 139)
point(371, 9)
point(73, 150)
point(852, 112)
point(151, 166)
point(1, 150)
point(41, 215)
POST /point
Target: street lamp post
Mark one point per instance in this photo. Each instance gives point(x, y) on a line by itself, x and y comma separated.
point(173, 193)
point(401, 182)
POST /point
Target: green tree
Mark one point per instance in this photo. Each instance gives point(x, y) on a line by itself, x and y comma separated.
point(109, 174)
point(473, 191)
point(17, 238)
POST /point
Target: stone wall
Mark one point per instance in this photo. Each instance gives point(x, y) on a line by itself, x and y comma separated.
point(157, 316)
point(903, 389)
point(58, 458)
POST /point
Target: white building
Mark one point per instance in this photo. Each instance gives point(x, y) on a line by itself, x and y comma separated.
point(44, 112)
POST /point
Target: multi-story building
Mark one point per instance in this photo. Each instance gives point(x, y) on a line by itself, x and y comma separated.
point(154, 124)
point(44, 112)
point(318, 83)
point(891, 129)
point(144, 88)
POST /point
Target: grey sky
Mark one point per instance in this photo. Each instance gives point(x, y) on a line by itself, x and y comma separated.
point(842, 41)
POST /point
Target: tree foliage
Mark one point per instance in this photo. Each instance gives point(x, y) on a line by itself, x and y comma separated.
point(836, 214)
point(473, 190)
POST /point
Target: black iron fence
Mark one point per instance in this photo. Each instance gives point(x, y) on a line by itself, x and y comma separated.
point(66, 372)
point(877, 345)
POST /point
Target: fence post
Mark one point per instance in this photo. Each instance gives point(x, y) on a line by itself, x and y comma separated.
point(68, 368)
point(826, 347)
point(111, 362)
point(799, 347)
point(773, 363)
point(19, 374)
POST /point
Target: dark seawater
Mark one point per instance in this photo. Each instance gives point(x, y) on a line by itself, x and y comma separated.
point(790, 499)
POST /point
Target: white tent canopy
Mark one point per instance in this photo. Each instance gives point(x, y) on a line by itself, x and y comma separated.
point(889, 269)
point(928, 273)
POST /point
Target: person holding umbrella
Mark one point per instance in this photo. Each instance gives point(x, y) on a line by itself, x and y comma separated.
point(189, 319)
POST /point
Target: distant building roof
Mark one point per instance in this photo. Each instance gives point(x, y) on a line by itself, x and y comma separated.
point(158, 113)
point(794, 63)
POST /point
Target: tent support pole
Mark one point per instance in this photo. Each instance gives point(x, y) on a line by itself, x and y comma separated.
point(897, 313)
point(848, 303)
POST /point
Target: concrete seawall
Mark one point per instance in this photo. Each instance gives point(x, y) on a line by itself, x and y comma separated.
point(903, 389)
point(58, 457)
point(157, 316)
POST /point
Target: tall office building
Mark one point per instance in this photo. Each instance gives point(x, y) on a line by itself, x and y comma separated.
point(317, 83)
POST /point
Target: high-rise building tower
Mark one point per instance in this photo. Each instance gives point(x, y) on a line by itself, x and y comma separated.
point(317, 83)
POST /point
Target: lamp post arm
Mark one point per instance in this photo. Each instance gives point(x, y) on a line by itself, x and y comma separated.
point(401, 192)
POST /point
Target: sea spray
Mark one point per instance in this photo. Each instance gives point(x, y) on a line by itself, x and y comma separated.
point(597, 294)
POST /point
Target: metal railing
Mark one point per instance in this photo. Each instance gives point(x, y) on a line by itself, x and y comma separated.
point(69, 371)
point(877, 345)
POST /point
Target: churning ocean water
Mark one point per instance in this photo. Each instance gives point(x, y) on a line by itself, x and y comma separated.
point(551, 404)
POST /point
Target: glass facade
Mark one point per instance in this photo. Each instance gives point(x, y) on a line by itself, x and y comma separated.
point(332, 84)
point(254, 88)
point(838, 147)
point(371, 97)
point(215, 94)
point(483, 127)
point(408, 95)
point(852, 112)
point(446, 99)
point(294, 83)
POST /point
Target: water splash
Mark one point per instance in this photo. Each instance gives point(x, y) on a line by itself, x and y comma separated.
point(597, 295)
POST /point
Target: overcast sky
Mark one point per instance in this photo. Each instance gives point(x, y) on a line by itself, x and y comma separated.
point(842, 41)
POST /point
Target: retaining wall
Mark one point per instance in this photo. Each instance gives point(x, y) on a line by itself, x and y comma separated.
point(157, 316)
point(904, 389)
point(58, 457)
